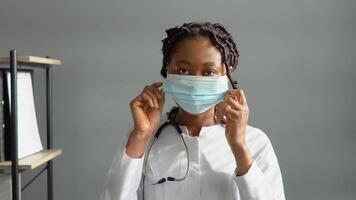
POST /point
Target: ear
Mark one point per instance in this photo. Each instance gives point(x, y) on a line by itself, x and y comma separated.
point(231, 69)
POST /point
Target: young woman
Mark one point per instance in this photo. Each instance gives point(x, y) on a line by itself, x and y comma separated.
point(205, 148)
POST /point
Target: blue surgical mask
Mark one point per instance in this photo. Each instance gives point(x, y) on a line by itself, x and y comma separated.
point(196, 94)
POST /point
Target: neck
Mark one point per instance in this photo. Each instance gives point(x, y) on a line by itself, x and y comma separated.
point(195, 122)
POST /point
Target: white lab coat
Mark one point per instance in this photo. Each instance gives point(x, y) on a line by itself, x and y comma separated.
point(212, 173)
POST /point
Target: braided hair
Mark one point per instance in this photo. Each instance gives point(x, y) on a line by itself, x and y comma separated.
point(218, 36)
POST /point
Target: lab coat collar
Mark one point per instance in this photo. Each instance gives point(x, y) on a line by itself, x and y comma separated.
point(204, 132)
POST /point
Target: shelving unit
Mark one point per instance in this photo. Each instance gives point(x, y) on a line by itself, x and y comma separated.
point(46, 156)
point(33, 161)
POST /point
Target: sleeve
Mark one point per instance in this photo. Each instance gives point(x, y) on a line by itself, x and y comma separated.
point(264, 178)
point(123, 181)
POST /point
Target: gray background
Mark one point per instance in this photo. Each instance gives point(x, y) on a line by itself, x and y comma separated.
point(297, 70)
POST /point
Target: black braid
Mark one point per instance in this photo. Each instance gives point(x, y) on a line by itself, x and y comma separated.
point(217, 34)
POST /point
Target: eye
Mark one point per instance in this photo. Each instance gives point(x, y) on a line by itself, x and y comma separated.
point(209, 73)
point(183, 71)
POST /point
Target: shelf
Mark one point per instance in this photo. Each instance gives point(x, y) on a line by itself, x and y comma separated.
point(31, 59)
point(32, 161)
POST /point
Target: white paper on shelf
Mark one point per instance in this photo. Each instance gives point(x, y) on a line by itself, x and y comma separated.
point(29, 141)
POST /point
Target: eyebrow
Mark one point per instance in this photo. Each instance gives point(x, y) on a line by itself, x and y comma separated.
point(206, 64)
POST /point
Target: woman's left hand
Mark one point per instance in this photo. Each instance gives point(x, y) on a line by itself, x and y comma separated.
point(235, 109)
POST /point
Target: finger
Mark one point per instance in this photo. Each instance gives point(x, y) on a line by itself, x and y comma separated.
point(244, 101)
point(161, 92)
point(229, 92)
point(155, 91)
point(226, 111)
point(157, 84)
point(161, 101)
point(226, 94)
point(218, 112)
point(151, 94)
point(232, 114)
point(222, 104)
point(154, 98)
point(148, 99)
point(220, 109)
point(234, 93)
point(234, 104)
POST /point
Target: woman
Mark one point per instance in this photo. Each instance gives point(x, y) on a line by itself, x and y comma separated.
point(218, 155)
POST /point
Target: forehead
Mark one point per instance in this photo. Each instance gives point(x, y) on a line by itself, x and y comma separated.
point(196, 50)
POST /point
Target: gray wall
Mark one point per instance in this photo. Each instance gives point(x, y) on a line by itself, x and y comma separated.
point(297, 69)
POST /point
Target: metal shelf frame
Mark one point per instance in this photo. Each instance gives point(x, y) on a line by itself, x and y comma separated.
point(16, 188)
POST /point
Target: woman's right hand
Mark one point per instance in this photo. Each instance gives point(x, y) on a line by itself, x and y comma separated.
point(146, 110)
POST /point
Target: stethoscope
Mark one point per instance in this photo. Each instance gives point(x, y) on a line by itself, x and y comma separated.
point(170, 121)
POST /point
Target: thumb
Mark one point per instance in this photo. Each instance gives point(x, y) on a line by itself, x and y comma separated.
point(161, 101)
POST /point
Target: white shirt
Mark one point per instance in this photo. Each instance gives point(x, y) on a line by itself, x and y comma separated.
point(212, 174)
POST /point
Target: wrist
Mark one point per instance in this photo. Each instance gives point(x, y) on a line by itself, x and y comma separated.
point(241, 152)
point(136, 145)
point(238, 147)
point(243, 159)
point(140, 135)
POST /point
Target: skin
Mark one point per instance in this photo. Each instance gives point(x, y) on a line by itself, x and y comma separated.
point(198, 57)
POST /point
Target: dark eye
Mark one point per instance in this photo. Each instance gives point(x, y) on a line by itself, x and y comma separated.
point(209, 73)
point(183, 71)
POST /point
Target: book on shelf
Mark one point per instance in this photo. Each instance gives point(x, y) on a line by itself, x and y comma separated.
point(29, 141)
